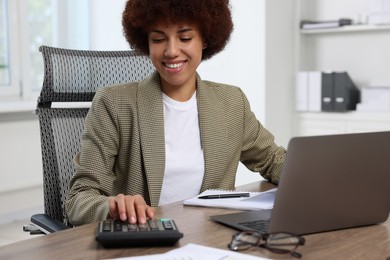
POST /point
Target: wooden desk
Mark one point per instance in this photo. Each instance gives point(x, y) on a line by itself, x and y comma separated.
point(372, 242)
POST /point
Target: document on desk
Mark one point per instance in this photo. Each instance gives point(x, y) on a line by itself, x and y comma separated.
point(255, 201)
point(196, 252)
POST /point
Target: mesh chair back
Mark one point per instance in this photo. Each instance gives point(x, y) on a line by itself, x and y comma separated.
point(74, 76)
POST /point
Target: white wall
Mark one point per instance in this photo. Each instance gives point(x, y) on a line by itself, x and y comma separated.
point(20, 153)
point(242, 63)
point(279, 68)
point(106, 24)
point(21, 193)
point(73, 24)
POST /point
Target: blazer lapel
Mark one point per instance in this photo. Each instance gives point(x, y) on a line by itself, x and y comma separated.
point(213, 132)
point(151, 124)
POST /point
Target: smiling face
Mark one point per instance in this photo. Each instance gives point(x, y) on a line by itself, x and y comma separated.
point(176, 52)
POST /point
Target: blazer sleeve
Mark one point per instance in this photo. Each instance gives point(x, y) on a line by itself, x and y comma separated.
point(259, 151)
point(87, 199)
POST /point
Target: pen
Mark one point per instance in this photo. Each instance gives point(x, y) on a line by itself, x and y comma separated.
point(225, 196)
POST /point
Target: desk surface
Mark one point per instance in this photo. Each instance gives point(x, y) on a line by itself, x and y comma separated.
point(371, 242)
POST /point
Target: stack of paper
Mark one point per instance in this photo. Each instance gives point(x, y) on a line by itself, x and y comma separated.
point(379, 12)
point(308, 24)
point(374, 99)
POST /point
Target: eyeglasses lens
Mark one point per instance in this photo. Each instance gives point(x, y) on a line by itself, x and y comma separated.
point(245, 240)
point(283, 242)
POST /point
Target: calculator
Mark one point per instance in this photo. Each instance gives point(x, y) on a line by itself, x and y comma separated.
point(155, 232)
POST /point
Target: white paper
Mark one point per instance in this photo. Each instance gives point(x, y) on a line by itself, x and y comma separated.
point(196, 252)
point(265, 199)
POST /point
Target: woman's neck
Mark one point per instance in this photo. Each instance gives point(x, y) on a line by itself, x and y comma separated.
point(180, 93)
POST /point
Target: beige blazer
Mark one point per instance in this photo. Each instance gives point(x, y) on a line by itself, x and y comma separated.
point(123, 149)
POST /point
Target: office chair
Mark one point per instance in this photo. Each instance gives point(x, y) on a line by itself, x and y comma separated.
point(71, 78)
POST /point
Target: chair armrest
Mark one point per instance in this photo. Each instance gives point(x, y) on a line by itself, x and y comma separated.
point(47, 224)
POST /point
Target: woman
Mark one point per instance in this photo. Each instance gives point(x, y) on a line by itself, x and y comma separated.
point(172, 135)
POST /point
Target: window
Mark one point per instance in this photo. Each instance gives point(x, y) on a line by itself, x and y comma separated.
point(40, 18)
point(27, 24)
point(4, 46)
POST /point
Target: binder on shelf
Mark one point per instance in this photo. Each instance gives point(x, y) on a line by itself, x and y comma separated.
point(318, 91)
point(308, 91)
point(346, 94)
point(327, 92)
point(314, 94)
point(301, 92)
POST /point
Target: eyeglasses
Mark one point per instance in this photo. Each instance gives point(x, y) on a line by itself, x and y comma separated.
point(281, 243)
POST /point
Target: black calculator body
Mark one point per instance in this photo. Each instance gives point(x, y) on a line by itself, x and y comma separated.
point(155, 232)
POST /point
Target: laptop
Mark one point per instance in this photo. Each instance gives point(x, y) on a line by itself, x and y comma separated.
point(327, 183)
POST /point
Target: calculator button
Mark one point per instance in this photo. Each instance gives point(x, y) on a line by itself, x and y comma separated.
point(143, 227)
point(117, 226)
point(154, 225)
point(106, 226)
point(167, 225)
point(132, 227)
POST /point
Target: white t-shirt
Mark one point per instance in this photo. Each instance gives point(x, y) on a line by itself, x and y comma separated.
point(184, 161)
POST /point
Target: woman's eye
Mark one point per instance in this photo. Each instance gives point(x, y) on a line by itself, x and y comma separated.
point(157, 40)
point(186, 39)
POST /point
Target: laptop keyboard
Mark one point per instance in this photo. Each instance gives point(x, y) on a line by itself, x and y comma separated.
point(258, 225)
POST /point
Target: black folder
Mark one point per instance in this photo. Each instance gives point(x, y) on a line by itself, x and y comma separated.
point(327, 92)
point(346, 94)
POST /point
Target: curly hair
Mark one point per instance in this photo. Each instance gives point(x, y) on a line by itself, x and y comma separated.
point(213, 18)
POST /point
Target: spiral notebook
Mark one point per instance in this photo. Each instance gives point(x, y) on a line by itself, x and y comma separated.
point(255, 201)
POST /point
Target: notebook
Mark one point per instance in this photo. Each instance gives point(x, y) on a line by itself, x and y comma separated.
point(255, 201)
point(327, 183)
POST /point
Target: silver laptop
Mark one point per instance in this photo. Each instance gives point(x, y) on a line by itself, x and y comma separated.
point(327, 183)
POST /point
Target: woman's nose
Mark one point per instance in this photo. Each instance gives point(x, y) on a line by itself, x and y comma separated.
point(172, 49)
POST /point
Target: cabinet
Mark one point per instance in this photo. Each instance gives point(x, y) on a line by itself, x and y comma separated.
point(336, 123)
point(362, 50)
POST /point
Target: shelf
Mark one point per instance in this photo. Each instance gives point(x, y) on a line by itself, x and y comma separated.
point(360, 49)
point(350, 115)
point(347, 28)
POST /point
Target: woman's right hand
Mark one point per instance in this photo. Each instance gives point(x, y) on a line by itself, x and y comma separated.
point(130, 208)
